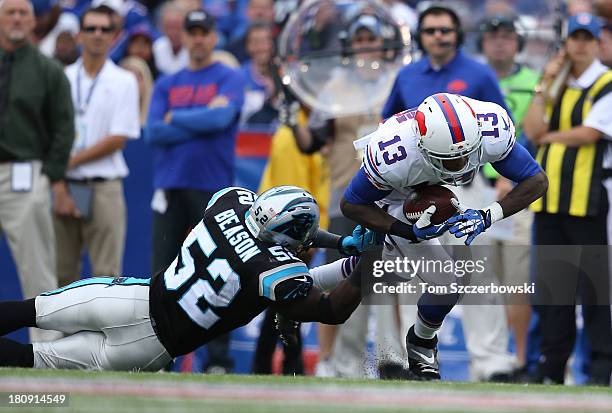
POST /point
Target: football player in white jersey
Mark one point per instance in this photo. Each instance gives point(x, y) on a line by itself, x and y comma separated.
point(443, 141)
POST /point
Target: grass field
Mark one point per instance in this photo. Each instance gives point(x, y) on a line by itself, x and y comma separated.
point(172, 392)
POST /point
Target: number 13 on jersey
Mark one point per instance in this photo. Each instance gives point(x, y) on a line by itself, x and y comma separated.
point(390, 152)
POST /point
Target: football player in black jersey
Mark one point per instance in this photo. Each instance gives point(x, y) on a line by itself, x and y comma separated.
point(238, 261)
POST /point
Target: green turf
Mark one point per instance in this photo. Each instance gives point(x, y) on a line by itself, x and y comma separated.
point(302, 380)
point(309, 386)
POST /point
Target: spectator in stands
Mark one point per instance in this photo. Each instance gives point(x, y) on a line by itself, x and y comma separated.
point(260, 90)
point(170, 55)
point(35, 141)
point(500, 42)
point(446, 68)
point(127, 15)
point(140, 69)
point(90, 205)
point(51, 21)
point(230, 17)
point(140, 44)
point(66, 48)
point(192, 124)
point(257, 11)
point(572, 129)
point(605, 44)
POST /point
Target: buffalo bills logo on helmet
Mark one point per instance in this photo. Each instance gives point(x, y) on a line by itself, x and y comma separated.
point(420, 118)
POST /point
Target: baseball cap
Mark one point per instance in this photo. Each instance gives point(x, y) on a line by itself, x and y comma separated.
point(584, 21)
point(494, 23)
point(365, 21)
point(141, 30)
point(199, 18)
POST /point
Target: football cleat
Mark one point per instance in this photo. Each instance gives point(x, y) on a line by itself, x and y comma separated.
point(422, 356)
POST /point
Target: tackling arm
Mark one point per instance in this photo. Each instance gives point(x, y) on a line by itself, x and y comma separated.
point(328, 308)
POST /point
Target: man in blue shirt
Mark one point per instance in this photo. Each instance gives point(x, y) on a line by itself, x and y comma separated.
point(445, 68)
point(192, 125)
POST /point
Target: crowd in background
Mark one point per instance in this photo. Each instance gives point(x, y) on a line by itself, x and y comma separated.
point(186, 75)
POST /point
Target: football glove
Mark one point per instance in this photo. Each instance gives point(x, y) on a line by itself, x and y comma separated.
point(361, 240)
point(424, 230)
point(470, 223)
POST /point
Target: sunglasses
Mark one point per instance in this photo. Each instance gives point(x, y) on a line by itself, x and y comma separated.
point(93, 29)
point(432, 30)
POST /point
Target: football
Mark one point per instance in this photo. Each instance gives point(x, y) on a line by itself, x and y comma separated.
point(424, 196)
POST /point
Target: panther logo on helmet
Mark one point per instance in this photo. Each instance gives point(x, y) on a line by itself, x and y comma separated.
point(285, 215)
point(450, 139)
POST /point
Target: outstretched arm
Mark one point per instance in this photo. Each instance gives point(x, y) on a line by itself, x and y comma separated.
point(360, 240)
point(334, 307)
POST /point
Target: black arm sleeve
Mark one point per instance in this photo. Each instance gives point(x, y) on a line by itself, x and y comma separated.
point(325, 239)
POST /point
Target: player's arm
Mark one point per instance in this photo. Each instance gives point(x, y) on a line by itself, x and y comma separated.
point(518, 166)
point(358, 204)
point(360, 240)
point(334, 307)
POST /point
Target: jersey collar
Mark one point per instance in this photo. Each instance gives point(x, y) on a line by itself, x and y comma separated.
point(427, 66)
point(589, 76)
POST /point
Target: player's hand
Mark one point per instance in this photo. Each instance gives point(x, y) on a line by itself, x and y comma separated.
point(470, 223)
point(424, 230)
point(361, 240)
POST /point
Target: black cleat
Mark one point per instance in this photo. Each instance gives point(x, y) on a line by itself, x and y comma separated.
point(422, 356)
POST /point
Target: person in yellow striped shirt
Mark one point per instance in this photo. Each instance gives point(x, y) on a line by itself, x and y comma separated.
point(573, 133)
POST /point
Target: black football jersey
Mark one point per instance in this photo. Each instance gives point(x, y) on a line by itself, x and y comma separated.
point(222, 277)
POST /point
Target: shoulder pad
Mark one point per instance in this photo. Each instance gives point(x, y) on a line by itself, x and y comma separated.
point(244, 196)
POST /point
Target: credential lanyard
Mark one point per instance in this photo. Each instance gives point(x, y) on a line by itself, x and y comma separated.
point(80, 108)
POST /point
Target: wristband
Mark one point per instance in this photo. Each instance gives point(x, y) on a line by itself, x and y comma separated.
point(496, 210)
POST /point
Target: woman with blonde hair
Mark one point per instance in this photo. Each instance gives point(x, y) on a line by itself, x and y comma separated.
point(140, 69)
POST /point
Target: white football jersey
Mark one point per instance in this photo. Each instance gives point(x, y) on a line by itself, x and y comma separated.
point(392, 160)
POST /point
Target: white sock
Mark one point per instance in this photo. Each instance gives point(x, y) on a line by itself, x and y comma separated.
point(424, 329)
